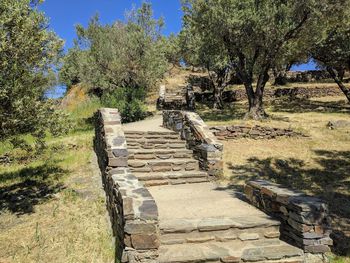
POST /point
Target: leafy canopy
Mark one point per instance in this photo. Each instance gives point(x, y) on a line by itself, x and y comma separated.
point(257, 34)
point(28, 52)
point(127, 54)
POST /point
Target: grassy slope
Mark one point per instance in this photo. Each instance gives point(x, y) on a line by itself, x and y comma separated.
point(51, 207)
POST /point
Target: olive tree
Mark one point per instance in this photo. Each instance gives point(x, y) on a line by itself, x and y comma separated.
point(28, 52)
point(120, 61)
point(123, 54)
point(255, 34)
point(333, 51)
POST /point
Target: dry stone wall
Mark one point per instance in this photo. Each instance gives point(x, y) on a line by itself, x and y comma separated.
point(307, 76)
point(180, 98)
point(305, 221)
point(206, 148)
point(252, 132)
point(132, 209)
point(296, 92)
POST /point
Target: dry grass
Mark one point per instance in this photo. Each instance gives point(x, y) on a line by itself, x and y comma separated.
point(52, 209)
point(318, 165)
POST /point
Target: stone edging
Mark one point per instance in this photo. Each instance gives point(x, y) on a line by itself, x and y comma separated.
point(132, 209)
point(252, 132)
point(207, 149)
point(305, 221)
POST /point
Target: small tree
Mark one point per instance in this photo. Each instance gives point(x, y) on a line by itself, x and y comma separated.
point(333, 52)
point(28, 51)
point(255, 34)
point(127, 54)
point(199, 51)
point(121, 60)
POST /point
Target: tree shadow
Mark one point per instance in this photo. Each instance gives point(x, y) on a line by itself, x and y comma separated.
point(37, 184)
point(302, 105)
point(329, 180)
point(233, 112)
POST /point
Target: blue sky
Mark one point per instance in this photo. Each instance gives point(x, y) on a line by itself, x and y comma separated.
point(65, 14)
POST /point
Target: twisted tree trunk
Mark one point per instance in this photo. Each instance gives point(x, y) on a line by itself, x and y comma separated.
point(338, 78)
point(255, 99)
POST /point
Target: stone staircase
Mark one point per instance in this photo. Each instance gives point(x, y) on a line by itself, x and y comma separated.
point(198, 220)
point(161, 158)
point(205, 223)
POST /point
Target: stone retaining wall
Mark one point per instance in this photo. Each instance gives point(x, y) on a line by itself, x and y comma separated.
point(305, 221)
point(307, 76)
point(199, 138)
point(132, 209)
point(296, 92)
point(252, 132)
point(180, 98)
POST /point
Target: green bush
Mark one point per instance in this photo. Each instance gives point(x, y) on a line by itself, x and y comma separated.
point(129, 102)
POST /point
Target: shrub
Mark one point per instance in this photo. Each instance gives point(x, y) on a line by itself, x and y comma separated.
point(129, 102)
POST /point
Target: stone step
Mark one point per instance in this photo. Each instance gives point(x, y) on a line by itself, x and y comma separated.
point(166, 136)
point(153, 141)
point(156, 144)
point(233, 251)
point(221, 229)
point(173, 178)
point(142, 166)
point(150, 133)
point(134, 146)
point(162, 154)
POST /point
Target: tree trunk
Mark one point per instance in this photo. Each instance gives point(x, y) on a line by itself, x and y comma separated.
point(256, 108)
point(219, 86)
point(218, 103)
point(339, 82)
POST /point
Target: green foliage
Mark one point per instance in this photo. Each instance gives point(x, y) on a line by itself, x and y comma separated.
point(257, 34)
point(129, 102)
point(28, 52)
point(127, 54)
point(70, 72)
point(333, 50)
point(172, 49)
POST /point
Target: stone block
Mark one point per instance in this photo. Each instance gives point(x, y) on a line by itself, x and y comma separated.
point(128, 207)
point(248, 236)
point(118, 162)
point(144, 242)
point(214, 224)
point(149, 210)
point(272, 234)
point(230, 259)
point(317, 249)
point(135, 227)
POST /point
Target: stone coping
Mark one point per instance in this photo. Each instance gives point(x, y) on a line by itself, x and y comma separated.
point(199, 138)
point(305, 220)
